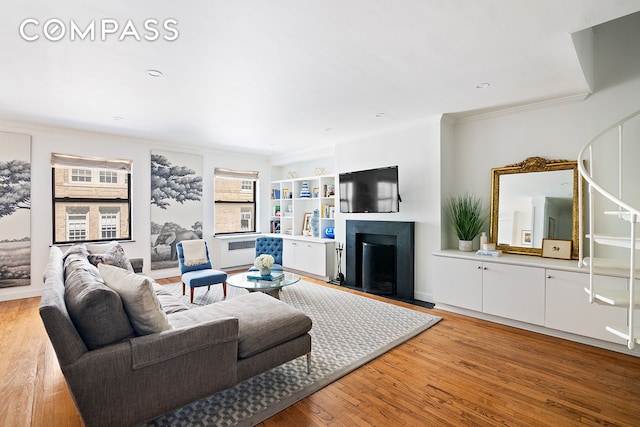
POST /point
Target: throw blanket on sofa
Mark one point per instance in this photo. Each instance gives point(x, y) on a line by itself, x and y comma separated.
point(195, 252)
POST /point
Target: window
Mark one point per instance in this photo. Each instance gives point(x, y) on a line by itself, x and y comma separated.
point(77, 229)
point(91, 199)
point(80, 175)
point(109, 223)
point(109, 177)
point(245, 218)
point(235, 201)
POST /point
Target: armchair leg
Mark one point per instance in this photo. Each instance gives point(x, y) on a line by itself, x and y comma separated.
point(224, 289)
point(308, 363)
point(191, 295)
point(183, 288)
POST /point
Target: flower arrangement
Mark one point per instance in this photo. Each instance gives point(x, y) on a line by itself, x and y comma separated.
point(264, 262)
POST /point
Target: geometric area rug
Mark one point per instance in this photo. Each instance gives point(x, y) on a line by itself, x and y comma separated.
point(348, 331)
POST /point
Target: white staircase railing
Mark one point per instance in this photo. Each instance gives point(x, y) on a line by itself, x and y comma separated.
point(624, 211)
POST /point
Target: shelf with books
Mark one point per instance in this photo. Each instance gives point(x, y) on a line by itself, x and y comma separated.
point(299, 196)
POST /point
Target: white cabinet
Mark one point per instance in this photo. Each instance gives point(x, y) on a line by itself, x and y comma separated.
point(568, 307)
point(537, 291)
point(291, 203)
point(314, 257)
point(458, 282)
point(513, 291)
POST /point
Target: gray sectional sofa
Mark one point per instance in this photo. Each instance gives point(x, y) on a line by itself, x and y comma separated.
point(118, 377)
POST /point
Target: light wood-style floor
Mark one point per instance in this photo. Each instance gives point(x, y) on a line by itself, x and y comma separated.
point(463, 371)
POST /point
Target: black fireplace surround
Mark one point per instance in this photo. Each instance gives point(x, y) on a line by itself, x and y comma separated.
point(396, 233)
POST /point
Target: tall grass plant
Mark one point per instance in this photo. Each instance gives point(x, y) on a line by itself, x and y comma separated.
point(467, 215)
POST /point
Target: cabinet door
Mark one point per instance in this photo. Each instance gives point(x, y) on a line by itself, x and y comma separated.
point(569, 310)
point(288, 254)
point(458, 282)
point(305, 256)
point(311, 257)
point(514, 292)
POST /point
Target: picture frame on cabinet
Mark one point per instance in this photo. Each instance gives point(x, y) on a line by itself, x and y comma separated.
point(526, 238)
point(553, 248)
point(306, 224)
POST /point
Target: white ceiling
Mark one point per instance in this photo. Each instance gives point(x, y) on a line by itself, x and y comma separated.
point(271, 77)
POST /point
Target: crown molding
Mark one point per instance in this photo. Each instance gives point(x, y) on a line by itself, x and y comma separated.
point(471, 116)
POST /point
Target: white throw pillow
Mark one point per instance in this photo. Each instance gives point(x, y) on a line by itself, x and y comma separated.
point(139, 299)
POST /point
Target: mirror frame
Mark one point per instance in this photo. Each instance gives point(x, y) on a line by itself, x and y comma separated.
point(532, 164)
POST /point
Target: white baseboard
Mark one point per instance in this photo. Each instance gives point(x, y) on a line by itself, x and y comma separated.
point(31, 292)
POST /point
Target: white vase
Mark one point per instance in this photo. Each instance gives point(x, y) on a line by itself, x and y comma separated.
point(265, 271)
point(465, 245)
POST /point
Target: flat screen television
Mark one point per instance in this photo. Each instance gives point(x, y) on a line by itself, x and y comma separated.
point(371, 190)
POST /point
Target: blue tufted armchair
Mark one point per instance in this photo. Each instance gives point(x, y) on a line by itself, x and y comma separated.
point(271, 246)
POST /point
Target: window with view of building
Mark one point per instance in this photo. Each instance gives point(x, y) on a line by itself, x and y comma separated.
point(91, 199)
point(235, 201)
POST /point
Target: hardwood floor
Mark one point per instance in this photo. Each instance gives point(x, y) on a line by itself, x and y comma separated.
point(463, 371)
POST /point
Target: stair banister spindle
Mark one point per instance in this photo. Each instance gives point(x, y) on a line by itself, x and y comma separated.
point(580, 225)
point(620, 167)
point(632, 283)
point(591, 228)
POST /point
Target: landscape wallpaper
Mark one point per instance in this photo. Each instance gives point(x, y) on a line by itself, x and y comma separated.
point(15, 210)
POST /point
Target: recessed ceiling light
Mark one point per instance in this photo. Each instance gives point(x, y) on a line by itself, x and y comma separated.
point(380, 114)
point(154, 73)
point(118, 118)
point(328, 129)
point(482, 85)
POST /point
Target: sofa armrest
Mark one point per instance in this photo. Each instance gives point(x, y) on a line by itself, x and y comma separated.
point(156, 348)
point(149, 375)
point(137, 264)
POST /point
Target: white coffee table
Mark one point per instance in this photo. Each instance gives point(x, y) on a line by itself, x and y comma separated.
point(271, 287)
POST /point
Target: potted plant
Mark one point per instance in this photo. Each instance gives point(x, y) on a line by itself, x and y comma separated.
point(468, 218)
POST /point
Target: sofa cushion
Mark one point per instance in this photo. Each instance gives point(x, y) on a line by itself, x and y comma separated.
point(114, 256)
point(138, 297)
point(95, 309)
point(263, 321)
point(168, 302)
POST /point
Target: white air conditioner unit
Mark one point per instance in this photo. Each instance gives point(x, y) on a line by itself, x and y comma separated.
point(234, 251)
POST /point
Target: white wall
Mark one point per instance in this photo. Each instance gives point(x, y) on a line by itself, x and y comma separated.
point(45, 140)
point(555, 130)
point(416, 151)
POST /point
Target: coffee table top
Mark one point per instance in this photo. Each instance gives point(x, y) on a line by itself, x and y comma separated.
point(241, 280)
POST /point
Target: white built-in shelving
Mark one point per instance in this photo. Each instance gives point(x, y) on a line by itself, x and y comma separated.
point(290, 205)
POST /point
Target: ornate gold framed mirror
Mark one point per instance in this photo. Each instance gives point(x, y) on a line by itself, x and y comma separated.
point(533, 200)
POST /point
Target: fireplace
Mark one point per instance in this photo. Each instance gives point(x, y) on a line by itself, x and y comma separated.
point(380, 257)
point(379, 268)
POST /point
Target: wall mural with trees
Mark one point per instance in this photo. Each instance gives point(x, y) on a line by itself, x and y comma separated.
point(15, 210)
point(176, 204)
